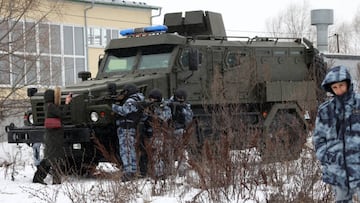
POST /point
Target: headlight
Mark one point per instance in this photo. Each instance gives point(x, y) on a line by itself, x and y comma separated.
point(31, 119)
point(77, 146)
point(94, 116)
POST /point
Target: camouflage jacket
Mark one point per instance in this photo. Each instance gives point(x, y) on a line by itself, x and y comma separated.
point(129, 113)
point(337, 133)
point(182, 115)
point(156, 115)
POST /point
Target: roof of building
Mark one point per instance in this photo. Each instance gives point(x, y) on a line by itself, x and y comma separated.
point(342, 56)
point(120, 3)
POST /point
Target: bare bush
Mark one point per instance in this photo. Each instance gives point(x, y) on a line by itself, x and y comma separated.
point(241, 160)
point(101, 191)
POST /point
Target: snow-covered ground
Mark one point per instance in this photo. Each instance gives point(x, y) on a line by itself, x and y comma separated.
point(249, 183)
point(16, 184)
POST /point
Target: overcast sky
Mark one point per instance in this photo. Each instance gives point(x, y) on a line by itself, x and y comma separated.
point(250, 16)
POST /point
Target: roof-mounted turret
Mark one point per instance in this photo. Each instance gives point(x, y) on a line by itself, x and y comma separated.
point(196, 23)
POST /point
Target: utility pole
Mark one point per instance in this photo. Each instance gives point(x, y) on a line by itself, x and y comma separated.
point(337, 42)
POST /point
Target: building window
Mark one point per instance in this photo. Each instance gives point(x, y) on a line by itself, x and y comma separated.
point(4, 70)
point(79, 41)
point(100, 37)
point(69, 70)
point(55, 39)
point(56, 71)
point(42, 54)
point(69, 42)
point(45, 70)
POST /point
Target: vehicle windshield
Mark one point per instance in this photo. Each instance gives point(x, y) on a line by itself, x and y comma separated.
point(115, 64)
point(143, 58)
point(154, 61)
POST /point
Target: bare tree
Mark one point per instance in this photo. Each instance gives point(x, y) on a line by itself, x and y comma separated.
point(294, 21)
point(345, 36)
point(341, 40)
point(19, 55)
point(356, 32)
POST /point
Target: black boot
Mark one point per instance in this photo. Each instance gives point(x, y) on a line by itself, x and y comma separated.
point(41, 172)
point(39, 176)
point(127, 177)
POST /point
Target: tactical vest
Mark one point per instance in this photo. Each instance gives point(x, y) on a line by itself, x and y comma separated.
point(178, 117)
point(149, 121)
point(132, 119)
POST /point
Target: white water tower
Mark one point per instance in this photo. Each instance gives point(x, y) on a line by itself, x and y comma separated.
point(322, 18)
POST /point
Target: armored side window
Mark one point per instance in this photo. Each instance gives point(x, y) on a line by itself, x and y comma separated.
point(235, 59)
point(184, 58)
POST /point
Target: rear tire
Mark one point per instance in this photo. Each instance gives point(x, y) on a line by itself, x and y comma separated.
point(284, 139)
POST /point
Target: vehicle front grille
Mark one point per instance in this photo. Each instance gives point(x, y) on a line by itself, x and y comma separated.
point(39, 113)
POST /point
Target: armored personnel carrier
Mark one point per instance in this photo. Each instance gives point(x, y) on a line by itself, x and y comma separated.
point(250, 89)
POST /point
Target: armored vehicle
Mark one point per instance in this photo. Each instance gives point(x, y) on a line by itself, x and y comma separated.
point(245, 88)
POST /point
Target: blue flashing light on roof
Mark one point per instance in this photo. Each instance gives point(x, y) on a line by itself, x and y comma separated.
point(156, 28)
point(126, 32)
point(149, 29)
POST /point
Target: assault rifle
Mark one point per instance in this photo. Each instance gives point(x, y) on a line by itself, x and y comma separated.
point(148, 105)
point(113, 94)
point(176, 106)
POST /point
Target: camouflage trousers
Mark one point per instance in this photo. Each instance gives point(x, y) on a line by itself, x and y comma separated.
point(127, 149)
point(36, 153)
point(179, 152)
point(157, 155)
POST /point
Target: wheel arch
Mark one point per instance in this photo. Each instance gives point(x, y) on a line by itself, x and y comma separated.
point(284, 106)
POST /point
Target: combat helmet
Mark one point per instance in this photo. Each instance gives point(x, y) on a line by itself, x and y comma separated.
point(155, 94)
point(180, 95)
point(129, 89)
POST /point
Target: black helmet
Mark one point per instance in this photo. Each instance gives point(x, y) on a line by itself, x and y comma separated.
point(180, 95)
point(49, 96)
point(155, 94)
point(130, 89)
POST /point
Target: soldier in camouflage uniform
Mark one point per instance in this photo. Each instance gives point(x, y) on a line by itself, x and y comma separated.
point(129, 115)
point(155, 138)
point(182, 116)
point(337, 135)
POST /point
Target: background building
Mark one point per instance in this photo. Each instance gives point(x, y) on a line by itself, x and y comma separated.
point(70, 40)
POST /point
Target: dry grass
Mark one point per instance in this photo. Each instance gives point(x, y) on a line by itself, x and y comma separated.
point(216, 172)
